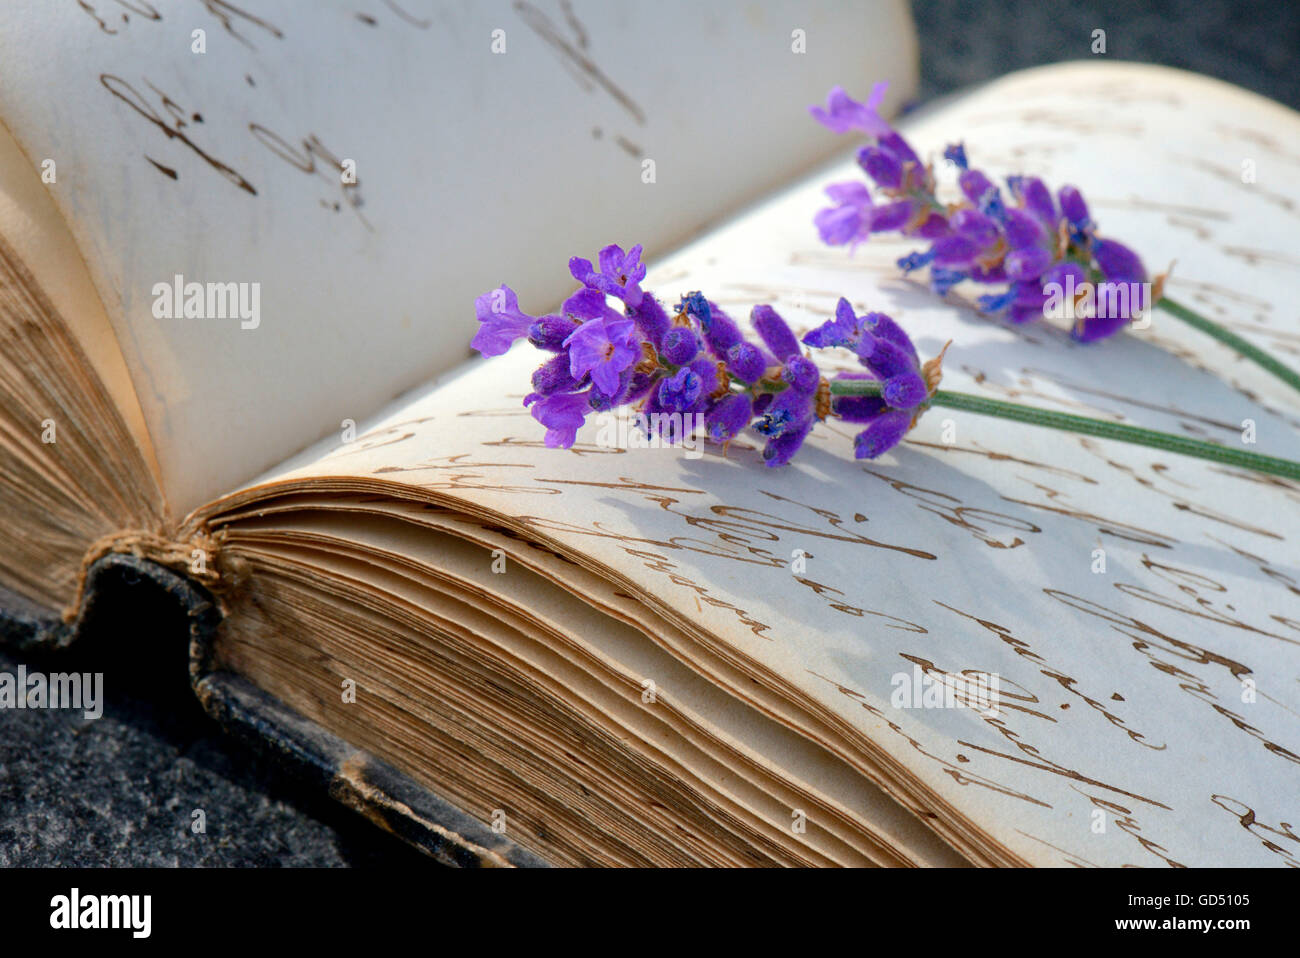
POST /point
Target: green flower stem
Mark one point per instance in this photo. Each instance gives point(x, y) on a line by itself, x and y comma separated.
point(1232, 341)
point(1088, 427)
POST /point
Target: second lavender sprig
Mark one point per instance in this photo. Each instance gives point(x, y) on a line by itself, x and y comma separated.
point(1044, 250)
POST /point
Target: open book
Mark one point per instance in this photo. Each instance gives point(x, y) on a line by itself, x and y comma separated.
point(666, 656)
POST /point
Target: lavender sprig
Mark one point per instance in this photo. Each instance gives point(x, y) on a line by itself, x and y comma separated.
point(697, 361)
point(1043, 249)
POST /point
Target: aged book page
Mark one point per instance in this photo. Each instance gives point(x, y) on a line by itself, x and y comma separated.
point(1141, 610)
point(31, 225)
point(76, 458)
point(349, 210)
point(584, 643)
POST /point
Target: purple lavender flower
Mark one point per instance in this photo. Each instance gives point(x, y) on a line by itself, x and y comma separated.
point(848, 222)
point(1034, 197)
point(680, 345)
point(883, 433)
point(860, 333)
point(892, 165)
point(846, 330)
point(781, 447)
point(500, 321)
point(720, 330)
point(555, 376)
point(843, 113)
point(680, 391)
point(620, 273)
point(549, 332)
point(775, 333)
point(983, 238)
point(747, 362)
point(1075, 211)
point(602, 359)
point(1117, 262)
point(955, 153)
point(890, 358)
point(603, 348)
point(727, 415)
point(787, 420)
point(651, 320)
point(563, 414)
point(699, 362)
point(1121, 272)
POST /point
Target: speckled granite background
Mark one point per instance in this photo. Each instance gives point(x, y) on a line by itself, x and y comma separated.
point(1251, 43)
point(121, 790)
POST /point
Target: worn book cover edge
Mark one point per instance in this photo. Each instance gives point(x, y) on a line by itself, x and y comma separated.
point(356, 779)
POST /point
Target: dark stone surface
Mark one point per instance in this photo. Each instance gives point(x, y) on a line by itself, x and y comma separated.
point(1252, 44)
point(121, 790)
